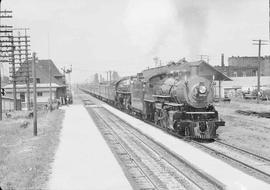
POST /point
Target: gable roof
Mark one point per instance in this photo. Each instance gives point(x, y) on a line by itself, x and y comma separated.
point(42, 72)
point(44, 66)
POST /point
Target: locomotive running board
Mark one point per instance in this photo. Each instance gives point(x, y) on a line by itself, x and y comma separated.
point(200, 112)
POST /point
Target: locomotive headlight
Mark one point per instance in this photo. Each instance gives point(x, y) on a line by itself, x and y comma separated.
point(202, 89)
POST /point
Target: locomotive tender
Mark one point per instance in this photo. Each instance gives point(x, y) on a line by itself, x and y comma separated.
point(178, 97)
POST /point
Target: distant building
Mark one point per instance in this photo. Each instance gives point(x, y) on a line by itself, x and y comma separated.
point(58, 85)
point(245, 66)
point(238, 85)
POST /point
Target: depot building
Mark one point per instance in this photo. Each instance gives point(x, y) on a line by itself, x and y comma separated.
point(58, 85)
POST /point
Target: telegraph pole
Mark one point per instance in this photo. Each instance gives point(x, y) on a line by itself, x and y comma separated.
point(0, 74)
point(50, 81)
point(21, 44)
point(4, 45)
point(13, 74)
point(34, 94)
point(259, 43)
point(50, 75)
point(27, 70)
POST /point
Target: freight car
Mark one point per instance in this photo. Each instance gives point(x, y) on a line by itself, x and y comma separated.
point(177, 97)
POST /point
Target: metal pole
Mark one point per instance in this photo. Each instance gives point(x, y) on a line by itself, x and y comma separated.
point(259, 72)
point(34, 94)
point(50, 79)
point(27, 72)
point(14, 75)
point(219, 90)
point(0, 76)
point(70, 80)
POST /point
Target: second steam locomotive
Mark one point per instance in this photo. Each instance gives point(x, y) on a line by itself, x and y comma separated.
point(177, 97)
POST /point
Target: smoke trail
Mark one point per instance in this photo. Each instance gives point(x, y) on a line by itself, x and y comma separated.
point(148, 21)
point(193, 17)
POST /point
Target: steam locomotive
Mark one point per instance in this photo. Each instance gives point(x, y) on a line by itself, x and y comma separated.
point(178, 97)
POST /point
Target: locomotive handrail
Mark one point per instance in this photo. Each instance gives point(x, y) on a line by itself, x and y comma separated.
point(147, 100)
point(122, 92)
point(161, 96)
point(210, 112)
point(173, 104)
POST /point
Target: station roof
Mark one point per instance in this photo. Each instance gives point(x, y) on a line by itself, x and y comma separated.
point(42, 72)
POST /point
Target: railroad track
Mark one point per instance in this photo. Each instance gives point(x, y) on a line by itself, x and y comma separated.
point(148, 164)
point(251, 163)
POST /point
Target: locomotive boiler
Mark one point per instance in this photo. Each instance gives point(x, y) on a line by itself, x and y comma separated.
point(177, 97)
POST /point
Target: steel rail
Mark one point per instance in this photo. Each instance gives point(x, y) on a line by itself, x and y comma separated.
point(259, 157)
point(195, 170)
point(124, 148)
point(213, 151)
point(264, 175)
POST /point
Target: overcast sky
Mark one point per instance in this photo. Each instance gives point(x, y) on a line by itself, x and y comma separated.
point(125, 35)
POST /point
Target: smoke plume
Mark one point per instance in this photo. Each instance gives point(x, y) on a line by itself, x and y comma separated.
point(149, 22)
point(193, 17)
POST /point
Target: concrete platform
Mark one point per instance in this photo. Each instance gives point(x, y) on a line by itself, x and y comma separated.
point(83, 160)
point(231, 177)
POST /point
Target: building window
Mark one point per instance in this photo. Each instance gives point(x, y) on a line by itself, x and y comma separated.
point(39, 94)
point(254, 73)
point(38, 80)
point(22, 97)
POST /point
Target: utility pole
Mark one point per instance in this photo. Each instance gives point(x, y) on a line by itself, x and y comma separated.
point(50, 75)
point(50, 86)
point(13, 74)
point(0, 74)
point(21, 61)
point(4, 37)
point(34, 94)
point(27, 70)
point(259, 43)
point(219, 81)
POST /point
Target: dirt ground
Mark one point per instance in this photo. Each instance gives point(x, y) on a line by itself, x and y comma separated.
point(25, 159)
point(249, 132)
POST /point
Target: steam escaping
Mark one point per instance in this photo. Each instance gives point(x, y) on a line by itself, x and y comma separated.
point(192, 16)
point(148, 22)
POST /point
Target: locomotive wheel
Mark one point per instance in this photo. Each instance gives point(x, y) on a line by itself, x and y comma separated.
point(144, 117)
point(187, 132)
point(156, 119)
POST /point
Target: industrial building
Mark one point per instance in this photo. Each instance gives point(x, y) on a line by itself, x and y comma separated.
point(244, 74)
point(245, 66)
